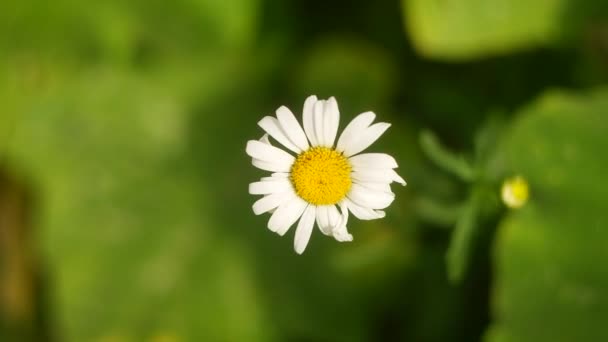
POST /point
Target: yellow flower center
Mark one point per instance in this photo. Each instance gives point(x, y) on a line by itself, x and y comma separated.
point(321, 176)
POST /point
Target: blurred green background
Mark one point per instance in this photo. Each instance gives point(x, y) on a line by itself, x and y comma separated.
point(124, 212)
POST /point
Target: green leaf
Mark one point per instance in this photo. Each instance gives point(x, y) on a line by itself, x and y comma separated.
point(467, 29)
point(445, 159)
point(550, 276)
point(462, 239)
point(432, 210)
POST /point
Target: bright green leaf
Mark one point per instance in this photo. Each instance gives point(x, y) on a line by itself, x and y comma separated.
point(467, 29)
point(550, 276)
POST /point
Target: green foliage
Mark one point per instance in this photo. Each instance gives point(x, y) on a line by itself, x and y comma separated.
point(457, 165)
point(458, 254)
point(467, 217)
point(123, 229)
point(550, 281)
point(462, 30)
point(368, 84)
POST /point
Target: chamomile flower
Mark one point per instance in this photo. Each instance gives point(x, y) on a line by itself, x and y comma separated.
point(320, 179)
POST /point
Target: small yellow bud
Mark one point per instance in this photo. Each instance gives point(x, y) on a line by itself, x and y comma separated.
point(515, 192)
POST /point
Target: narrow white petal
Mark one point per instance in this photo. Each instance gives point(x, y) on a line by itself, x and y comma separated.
point(328, 219)
point(369, 136)
point(387, 176)
point(271, 126)
point(280, 174)
point(304, 229)
point(322, 218)
point(286, 215)
point(308, 119)
point(373, 199)
point(373, 161)
point(331, 121)
point(271, 201)
point(276, 176)
point(354, 129)
point(373, 175)
point(262, 151)
point(271, 166)
point(363, 213)
point(318, 122)
point(292, 128)
point(398, 179)
point(340, 232)
point(334, 216)
point(386, 187)
point(269, 186)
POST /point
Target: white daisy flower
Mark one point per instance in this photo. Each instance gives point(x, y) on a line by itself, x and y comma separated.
point(320, 181)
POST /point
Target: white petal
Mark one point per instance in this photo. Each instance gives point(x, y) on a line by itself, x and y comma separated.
point(275, 177)
point(354, 129)
point(262, 151)
point(267, 186)
point(304, 229)
point(376, 176)
point(271, 126)
point(334, 216)
point(292, 128)
point(323, 219)
point(331, 121)
point(340, 232)
point(398, 179)
point(375, 186)
point(373, 199)
point(363, 213)
point(280, 174)
point(328, 218)
point(318, 122)
point(271, 166)
point(308, 119)
point(363, 141)
point(373, 161)
point(373, 175)
point(286, 215)
point(271, 201)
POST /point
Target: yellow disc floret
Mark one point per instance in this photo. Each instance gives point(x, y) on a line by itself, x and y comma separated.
point(321, 176)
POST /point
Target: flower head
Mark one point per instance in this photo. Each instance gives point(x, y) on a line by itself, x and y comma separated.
point(320, 180)
point(515, 192)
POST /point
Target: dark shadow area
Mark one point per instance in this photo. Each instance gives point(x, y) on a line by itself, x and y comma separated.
point(24, 303)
